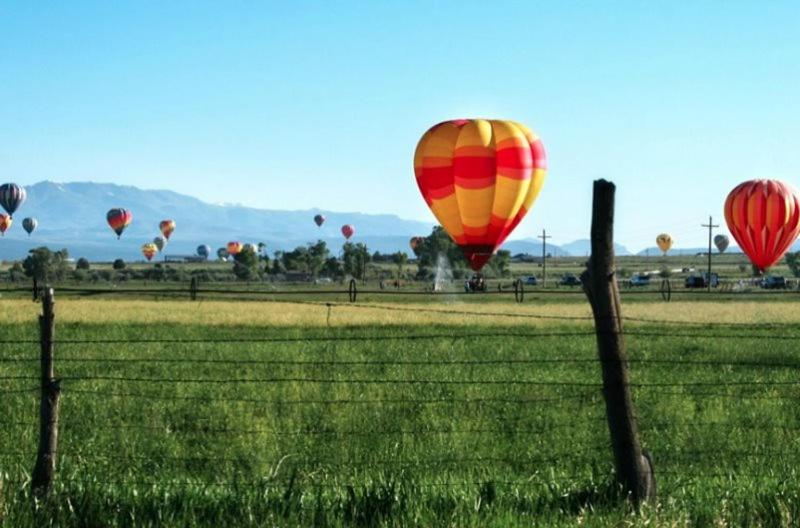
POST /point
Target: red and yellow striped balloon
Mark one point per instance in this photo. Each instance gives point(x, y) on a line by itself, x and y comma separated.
point(480, 178)
point(149, 250)
point(5, 223)
point(234, 248)
point(166, 227)
point(118, 219)
point(764, 218)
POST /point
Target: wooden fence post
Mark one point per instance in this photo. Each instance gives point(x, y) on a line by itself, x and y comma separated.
point(193, 289)
point(45, 469)
point(35, 290)
point(633, 466)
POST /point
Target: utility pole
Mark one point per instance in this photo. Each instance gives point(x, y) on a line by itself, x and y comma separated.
point(711, 225)
point(544, 236)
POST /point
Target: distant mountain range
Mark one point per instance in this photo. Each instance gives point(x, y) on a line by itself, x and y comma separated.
point(73, 216)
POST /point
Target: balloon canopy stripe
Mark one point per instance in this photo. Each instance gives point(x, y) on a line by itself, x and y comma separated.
point(480, 178)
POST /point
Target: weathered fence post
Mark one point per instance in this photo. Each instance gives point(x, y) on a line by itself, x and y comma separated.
point(634, 468)
point(193, 289)
point(35, 290)
point(45, 469)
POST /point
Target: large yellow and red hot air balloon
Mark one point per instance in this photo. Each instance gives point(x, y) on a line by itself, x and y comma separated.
point(166, 227)
point(480, 178)
point(5, 223)
point(664, 242)
point(764, 218)
point(149, 250)
point(234, 247)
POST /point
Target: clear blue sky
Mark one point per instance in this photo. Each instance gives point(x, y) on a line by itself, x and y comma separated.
point(320, 104)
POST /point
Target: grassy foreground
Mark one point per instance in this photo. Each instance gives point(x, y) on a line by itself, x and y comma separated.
point(250, 414)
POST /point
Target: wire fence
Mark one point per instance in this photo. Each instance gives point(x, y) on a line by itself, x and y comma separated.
point(443, 408)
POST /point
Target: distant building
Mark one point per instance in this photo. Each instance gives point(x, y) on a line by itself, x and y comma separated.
point(184, 258)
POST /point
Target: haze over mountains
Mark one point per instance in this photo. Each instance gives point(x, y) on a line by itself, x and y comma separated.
point(73, 216)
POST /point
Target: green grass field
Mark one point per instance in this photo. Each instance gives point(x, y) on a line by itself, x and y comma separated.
point(423, 411)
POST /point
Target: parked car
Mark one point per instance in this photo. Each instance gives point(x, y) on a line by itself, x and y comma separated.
point(569, 280)
point(640, 280)
point(701, 281)
point(530, 280)
point(774, 282)
point(694, 281)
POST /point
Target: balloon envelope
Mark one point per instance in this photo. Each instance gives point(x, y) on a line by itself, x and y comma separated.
point(222, 253)
point(764, 218)
point(348, 231)
point(149, 250)
point(479, 178)
point(11, 197)
point(29, 224)
point(5, 223)
point(203, 250)
point(416, 242)
point(166, 227)
point(319, 220)
point(664, 242)
point(233, 247)
point(160, 243)
point(119, 219)
point(722, 242)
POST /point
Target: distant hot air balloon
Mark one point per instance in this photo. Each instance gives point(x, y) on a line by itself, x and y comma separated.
point(348, 231)
point(249, 247)
point(319, 220)
point(721, 241)
point(222, 253)
point(234, 247)
point(149, 250)
point(29, 224)
point(261, 247)
point(11, 197)
point(5, 223)
point(416, 242)
point(166, 227)
point(119, 219)
point(764, 218)
point(160, 243)
point(664, 242)
point(203, 250)
point(479, 178)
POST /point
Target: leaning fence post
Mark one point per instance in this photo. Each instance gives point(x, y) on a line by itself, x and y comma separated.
point(633, 467)
point(45, 469)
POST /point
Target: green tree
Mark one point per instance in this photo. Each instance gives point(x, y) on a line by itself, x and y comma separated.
point(17, 272)
point(118, 264)
point(45, 265)
point(245, 264)
point(440, 243)
point(500, 263)
point(82, 264)
point(355, 258)
point(793, 261)
point(400, 259)
point(332, 268)
point(277, 264)
point(316, 256)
